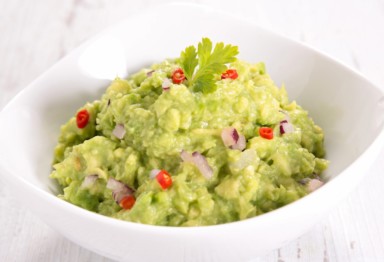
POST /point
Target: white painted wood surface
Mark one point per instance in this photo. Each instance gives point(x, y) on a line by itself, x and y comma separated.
point(36, 34)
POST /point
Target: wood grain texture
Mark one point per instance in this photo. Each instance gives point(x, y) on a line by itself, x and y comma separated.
point(36, 34)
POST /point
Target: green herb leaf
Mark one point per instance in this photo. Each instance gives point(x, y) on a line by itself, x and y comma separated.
point(210, 63)
point(189, 61)
point(204, 49)
point(205, 84)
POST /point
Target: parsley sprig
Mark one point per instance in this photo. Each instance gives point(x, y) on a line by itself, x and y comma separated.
point(202, 65)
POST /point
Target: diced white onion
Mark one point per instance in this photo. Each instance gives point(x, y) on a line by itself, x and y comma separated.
point(247, 158)
point(186, 157)
point(119, 131)
point(314, 184)
point(89, 181)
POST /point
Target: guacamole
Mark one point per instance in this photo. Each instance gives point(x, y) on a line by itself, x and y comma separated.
point(202, 139)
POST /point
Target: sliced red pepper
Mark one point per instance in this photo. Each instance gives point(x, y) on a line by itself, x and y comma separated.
point(82, 118)
point(266, 132)
point(230, 73)
point(178, 76)
point(164, 179)
point(127, 202)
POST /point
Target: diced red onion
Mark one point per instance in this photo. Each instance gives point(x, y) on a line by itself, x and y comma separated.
point(149, 73)
point(286, 127)
point(314, 184)
point(166, 84)
point(202, 164)
point(154, 173)
point(119, 131)
point(199, 161)
point(240, 144)
point(119, 189)
point(229, 136)
point(89, 181)
point(232, 139)
point(115, 185)
point(186, 157)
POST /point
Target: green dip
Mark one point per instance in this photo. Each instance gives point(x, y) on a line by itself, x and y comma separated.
point(146, 123)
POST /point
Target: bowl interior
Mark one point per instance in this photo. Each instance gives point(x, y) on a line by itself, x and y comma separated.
point(344, 104)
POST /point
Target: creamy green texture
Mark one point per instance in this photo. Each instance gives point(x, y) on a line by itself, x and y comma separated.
point(159, 124)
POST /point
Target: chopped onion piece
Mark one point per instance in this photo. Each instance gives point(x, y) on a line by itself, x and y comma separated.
point(166, 84)
point(230, 136)
point(89, 181)
point(149, 73)
point(314, 184)
point(241, 143)
point(186, 157)
point(286, 127)
point(119, 189)
point(154, 173)
point(115, 185)
point(232, 139)
point(199, 161)
point(202, 164)
point(119, 131)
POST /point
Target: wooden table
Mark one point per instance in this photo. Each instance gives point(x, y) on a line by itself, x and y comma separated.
point(36, 34)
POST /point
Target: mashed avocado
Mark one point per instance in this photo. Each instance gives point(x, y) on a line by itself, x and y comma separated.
point(203, 139)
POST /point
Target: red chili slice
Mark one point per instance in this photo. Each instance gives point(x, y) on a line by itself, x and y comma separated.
point(82, 118)
point(164, 179)
point(127, 202)
point(230, 73)
point(178, 76)
point(266, 132)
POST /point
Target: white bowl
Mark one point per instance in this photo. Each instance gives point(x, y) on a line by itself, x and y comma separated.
point(348, 107)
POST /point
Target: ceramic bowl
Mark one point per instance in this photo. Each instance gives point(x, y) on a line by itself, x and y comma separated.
point(347, 106)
